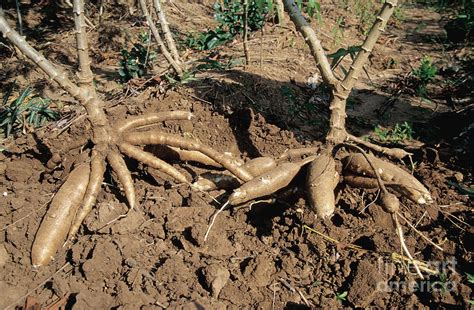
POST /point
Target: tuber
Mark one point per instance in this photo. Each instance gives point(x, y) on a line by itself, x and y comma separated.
point(400, 180)
point(321, 180)
point(55, 225)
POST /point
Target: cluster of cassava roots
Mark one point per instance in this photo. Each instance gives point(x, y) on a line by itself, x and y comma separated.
point(250, 180)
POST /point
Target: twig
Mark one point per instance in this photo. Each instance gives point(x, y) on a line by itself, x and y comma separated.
point(18, 16)
point(392, 152)
point(158, 39)
point(313, 42)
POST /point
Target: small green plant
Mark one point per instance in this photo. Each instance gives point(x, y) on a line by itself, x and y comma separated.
point(310, 7)
point(470, 278)
point(337, 32)
point(400, 132)
point(441, 284)
point(134, 63)
point(423, 75)
point(25, 110)
point(341, 296)
point(229, 14)
point(339, 55)
point(365, 12)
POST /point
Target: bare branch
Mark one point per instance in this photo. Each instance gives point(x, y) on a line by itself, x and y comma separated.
point(245, 34)
point(158, 39)
point(166, 31)
point(313, 42)
point(56, 74)
point(377, 28)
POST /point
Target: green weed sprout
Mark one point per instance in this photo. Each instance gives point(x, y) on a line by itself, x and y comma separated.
point(24, 110)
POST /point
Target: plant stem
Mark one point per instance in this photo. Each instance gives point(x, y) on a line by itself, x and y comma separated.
point(245, 34)
point(158, 39)
point(85, 73)
point(337, 122)
point(313, 42)
point(166, 31)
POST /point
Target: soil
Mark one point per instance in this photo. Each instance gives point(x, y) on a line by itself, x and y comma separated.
point(260, 255)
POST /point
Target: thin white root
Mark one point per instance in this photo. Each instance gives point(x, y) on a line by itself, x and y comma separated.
point(404, 246)
point(214, 219)
point(419, 232)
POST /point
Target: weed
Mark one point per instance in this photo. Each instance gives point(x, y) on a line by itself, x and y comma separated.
point(339, 55)
point(310, 7)
point(441, 284)
point(423, 75)
point(400, 132)
point(25, 110)
point(399, 14)
point(341, 296)
point(185, 78)
point(337, 32)
point(229, 14)
point(470, 278)
point(134, 63)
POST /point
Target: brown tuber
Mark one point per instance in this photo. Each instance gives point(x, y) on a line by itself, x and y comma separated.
point(321, 180)
point(400, 180)
point(57, 221)
point(265, 184)
point(211, 181)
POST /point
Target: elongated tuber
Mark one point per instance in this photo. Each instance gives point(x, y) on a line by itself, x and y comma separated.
point(93, 188)
point(57, 221)
point(211, 181)
point(152, 161)
point(265, 184)
point(321, 180)
point(400, 180)
point(154, 137)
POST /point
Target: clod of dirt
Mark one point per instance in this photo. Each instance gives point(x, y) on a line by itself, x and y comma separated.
point(260, 270)
point(105, 261)
point(364, 287)
point(22, 170)
point(4, 257)
point(216, 278)
point(3, 168)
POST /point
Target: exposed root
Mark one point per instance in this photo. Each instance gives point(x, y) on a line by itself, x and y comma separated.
point(321, 180)
point(168, 152)
point(404, 246)
point(296, 154)
point(152, 161)
point(123, 174)
point(93, 189)
point(150, 119)
point(401, 181)
point(214, 219)
point(141, 138)
point(419, 232)
point(392, 152)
